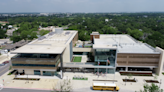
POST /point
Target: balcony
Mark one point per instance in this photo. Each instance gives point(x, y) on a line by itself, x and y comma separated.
point(31, 60)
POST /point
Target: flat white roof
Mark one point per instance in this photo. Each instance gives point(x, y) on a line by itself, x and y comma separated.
point(104, 84)
point(52, 43)
point(124, 44)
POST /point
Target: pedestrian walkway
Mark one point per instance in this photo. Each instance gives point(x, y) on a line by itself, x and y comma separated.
point(37, 76)
point(6, 57)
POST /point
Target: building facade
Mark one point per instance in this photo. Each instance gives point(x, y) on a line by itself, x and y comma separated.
point(45, 55)
point(53, 52)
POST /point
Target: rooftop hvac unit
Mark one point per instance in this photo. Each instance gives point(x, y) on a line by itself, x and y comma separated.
point(41, 38)
point(58, 30)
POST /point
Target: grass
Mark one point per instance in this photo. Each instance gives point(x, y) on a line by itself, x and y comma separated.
point(88, 46)
point(77, 59)
point(80, 79)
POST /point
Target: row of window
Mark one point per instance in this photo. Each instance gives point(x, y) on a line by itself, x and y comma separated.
point(37, 65)
point(139, 56)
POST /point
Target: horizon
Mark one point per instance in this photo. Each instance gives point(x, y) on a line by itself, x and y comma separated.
point(78, 6)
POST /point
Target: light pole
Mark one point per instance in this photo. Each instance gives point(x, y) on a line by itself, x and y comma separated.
point(160, 83)
point(6, 51)
point(125, 81)
point(98, 66)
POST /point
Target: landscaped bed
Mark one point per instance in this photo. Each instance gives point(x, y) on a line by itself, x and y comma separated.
point(80, 78)
point(152, 81)
point(77, 59)
point(136, 73)
point(33, 79)
point(129, 80)
point(12, 72)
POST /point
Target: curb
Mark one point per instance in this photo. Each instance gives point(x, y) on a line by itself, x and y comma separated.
point(27, 88)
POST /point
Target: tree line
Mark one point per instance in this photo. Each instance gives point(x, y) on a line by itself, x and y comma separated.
point(146, 27)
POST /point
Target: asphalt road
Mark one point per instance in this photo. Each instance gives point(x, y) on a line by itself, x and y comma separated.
point(29, 90)
point(4, 69)
point(21, 90)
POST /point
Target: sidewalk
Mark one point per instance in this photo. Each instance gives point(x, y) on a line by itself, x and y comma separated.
point(129, 87)
point(4, 57)
point(44, 82)
point(37, 76)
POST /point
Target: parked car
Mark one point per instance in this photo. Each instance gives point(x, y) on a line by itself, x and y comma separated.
point(2, 64)
point(5, 62)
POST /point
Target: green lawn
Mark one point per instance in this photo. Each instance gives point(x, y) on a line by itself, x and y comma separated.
point(77, 59)
point(80, 79)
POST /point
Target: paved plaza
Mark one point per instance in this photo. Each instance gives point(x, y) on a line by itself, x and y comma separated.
point(49, 83)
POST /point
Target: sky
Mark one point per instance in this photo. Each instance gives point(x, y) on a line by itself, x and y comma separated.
point(14, 6)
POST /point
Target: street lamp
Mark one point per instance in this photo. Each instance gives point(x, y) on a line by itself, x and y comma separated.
point(98, 66)
point(6, 51)
point(160, 83)
point(125, 81)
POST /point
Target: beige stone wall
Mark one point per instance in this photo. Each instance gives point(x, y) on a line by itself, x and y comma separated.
point(29, 72)
point(20, 70)
point(82, 49)
point(74, 40)
point(138, 59)
point(161, 61)
point(66, 54)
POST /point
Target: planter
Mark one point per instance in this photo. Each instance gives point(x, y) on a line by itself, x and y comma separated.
point(34, 79)
point(129, 80)
point(152, 81)
point(80, 78)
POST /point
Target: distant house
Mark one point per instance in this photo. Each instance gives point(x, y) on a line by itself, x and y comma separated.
point(4, 42)
point(10, 26)
point(106, 20)
point(10, 32)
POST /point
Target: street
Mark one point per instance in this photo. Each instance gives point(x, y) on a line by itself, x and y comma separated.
point(4, 69)
point(21, 90)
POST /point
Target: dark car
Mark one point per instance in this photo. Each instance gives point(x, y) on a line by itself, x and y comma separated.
point(5, 62)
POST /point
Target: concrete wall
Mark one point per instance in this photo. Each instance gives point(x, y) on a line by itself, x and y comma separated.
point(20, 70)
point(138, 59)
point(161, 61)
point(82, 49)
point(74, 40)
point(29, 72)
point(66, 54)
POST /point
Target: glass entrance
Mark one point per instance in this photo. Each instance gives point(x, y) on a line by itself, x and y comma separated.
point(36, 72)
point(103, 70)
point(48, 73)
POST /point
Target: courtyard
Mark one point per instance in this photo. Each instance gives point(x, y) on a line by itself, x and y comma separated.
point(49, 83)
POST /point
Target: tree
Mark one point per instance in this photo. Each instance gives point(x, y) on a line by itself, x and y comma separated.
point(2, 34)
point(63, 86)
point(129, 75)
point(135, 33)
point(151, 88)
point(43, 32)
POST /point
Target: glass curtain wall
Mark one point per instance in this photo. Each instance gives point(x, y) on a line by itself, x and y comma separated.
point(102, 55)
point(103, 70)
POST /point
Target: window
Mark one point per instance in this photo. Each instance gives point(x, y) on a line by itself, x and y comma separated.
point(36, 72)
point(37, 65)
